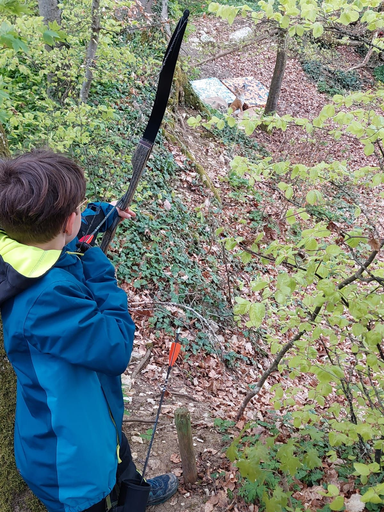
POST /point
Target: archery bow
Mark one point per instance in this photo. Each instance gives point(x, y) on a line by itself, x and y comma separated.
point(144, 147)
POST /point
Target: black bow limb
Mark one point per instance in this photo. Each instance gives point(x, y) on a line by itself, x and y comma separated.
point(145, 145)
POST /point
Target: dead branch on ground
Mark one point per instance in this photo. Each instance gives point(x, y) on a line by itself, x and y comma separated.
point(267, 35)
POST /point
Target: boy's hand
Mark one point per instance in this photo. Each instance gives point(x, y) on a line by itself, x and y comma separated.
point(124, 214)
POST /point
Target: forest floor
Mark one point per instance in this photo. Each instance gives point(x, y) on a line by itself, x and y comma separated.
point(211, 390)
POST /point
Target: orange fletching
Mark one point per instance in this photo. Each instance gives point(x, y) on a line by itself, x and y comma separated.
point(174, 352)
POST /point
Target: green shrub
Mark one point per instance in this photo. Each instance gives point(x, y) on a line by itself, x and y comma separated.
point(331, 81)
point(379, 73)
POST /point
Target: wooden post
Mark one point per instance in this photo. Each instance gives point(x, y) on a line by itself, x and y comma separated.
point(184, 434)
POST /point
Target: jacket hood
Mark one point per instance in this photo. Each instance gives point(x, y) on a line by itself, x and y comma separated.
point(21, 265)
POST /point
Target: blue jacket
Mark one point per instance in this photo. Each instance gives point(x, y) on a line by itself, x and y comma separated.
point(68, 335)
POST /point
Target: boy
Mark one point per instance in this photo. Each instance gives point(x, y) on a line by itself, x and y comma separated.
point(68, 335)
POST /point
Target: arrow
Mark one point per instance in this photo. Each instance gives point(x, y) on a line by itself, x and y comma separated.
point(174, 352)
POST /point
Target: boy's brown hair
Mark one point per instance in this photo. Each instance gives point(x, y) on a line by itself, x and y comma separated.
point(38, 192)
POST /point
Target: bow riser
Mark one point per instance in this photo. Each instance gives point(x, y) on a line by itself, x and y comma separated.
point(139, 161)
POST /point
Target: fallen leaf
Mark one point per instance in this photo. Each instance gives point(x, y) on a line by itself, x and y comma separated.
point(175, 458)
point(354, 504)
point(374, 244)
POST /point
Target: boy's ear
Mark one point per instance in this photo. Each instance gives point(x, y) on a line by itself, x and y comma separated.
point(69, 225)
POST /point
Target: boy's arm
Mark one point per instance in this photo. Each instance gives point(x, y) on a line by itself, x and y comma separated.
point(100, 277)
point(68, 322)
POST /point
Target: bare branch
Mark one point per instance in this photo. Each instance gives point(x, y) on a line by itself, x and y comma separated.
point(291, 343)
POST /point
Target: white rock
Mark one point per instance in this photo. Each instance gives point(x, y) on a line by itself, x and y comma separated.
point(241, 34)
point(126, 382)
point(216, 102)
point(205, 38)
point(194, 42)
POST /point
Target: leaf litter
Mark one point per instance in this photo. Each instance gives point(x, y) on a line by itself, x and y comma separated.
point(201, 381)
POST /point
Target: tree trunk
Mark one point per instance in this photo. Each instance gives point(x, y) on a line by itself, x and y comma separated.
point(278, 73)
point(165, 18)
point(4, 150)
point(50, 11)
point(91, 51)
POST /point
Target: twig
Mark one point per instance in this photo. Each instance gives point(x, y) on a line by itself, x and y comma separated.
point(375, 390)
point(183, 395)
point(230, 506)
point(269, 258)
point(291, 343)
point(380, 351)
point(366, 58)
point(287, 264)
point(363, 267)
point(227, 274)
point(143, 363)
point(137, 420)
point(203, 320)
point(354, 37)
point(365, 391)
point(238, 48)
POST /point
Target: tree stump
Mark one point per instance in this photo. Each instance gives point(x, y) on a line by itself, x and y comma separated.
point(184, 434)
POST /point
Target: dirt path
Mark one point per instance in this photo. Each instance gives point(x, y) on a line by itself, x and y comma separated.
point(142, 402)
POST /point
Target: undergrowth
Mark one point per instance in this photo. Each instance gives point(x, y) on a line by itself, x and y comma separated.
point(167, 250)
point(331, 81)
point(273, 457)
